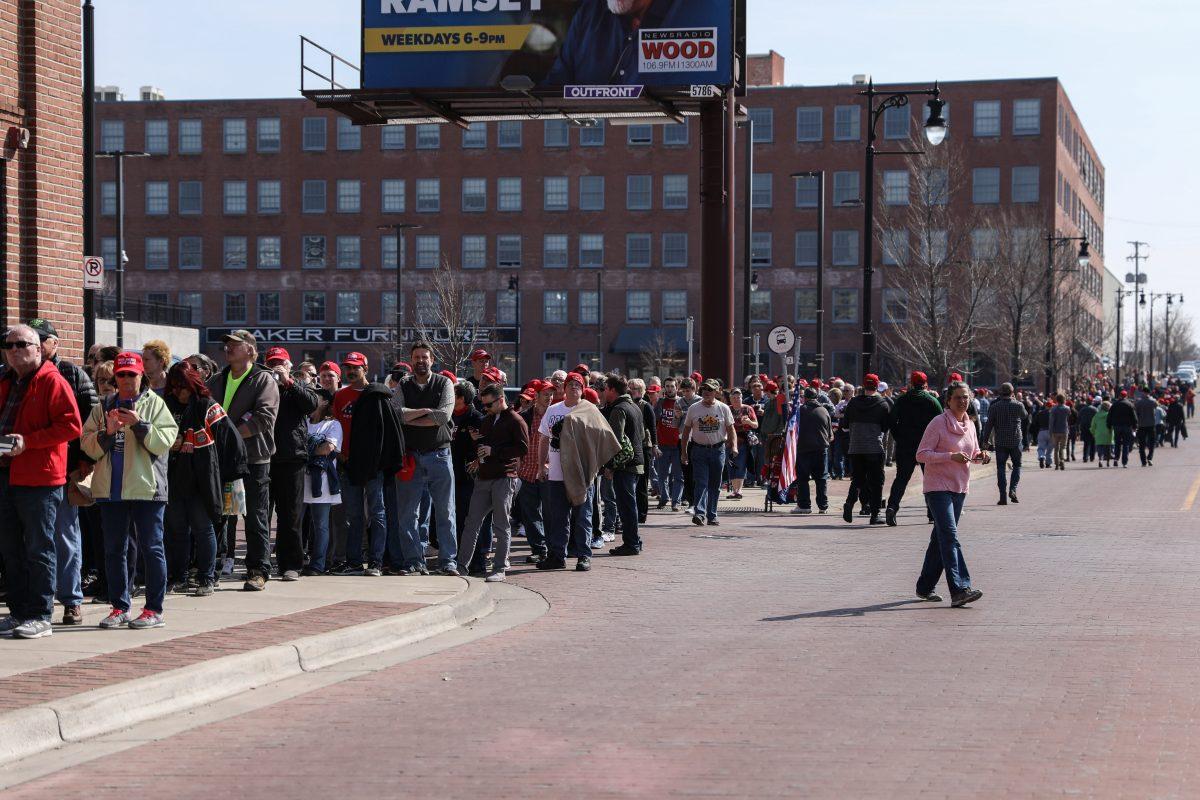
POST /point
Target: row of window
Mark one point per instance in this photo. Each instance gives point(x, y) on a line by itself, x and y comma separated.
point(267, 135)
point(1089, 170)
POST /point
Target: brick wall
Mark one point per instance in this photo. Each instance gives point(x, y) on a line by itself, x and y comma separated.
point(41, 184)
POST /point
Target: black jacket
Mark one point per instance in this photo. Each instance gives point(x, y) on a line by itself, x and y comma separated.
point(868, 416)
point(291, 425)
point(218, 456)
point(649, 426)
point(1122, 413)
point(85, 400)
point(376, 438)
point(911, 414)
point(462, 446)
point(626, 418)
point(1175, 415)
point(814, 430)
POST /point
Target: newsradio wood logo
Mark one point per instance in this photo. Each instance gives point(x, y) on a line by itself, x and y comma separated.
point(678, 50)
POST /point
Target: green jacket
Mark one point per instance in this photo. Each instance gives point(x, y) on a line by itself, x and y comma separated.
point(1100, 430)
point(146, 448)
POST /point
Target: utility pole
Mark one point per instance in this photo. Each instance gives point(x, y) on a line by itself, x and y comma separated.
point(89, 167)
point(1137, 258)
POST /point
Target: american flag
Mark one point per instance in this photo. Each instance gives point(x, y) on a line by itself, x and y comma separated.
point(787, 465)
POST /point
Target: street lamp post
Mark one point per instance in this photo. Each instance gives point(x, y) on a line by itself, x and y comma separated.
point(1052, 243)
point(399, 228)
point(748, 244)
point(119, 156)
point(935, 132)
point(1167, 345)
point(1122, 293)
point(514, 289)
point(819, 174)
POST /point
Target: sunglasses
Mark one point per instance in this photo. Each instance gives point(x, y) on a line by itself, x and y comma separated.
point(489, 403)
point(16, 345)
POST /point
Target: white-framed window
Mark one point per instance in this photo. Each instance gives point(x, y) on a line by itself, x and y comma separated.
point(429, 136)
point(591, 193)
point(428, 251)
point(592, 135)
point(235, 307)
point(234, 136)
point(158, 198)
point(674, 306)
point(552, 361)
point(845, 248)
point(508, 194)
point(591, 250)
point(387, 251)
point(555, 250)
point(987, 118)
point(475, 136)
point(806, 249)
point(807, 191)
point(312, 196)
point(314, 249)
point(806, 306)
point(270, 252)
point(429, 195)
point(760, 305)
point(158, 252)
point(637, 250)
point(234, 197)
point(1025, 184)
point(158, 137)
point(234, 252)
point(349, 135)
point(313, 307)
point(506, 307)
point(846, 123)
point(270, 197)
point(589, 307)
point(845, 187)
point(760, 248)
point(554, 307)
point(349, 252)
point(508, 133)
point(393, 193)
point(508, 250)
point(556, 133)
point(676, 135)
point(895, 306)
point(985, 185)
point(190, 136)
point(897, 122)
point(191, 252)
point(637, 306)
point(393, 137)
point(809, 124)
point(675, 249)
point(269, 135)
point(349, 196)
point(761, 190)
point(268, 307)
point(556, 194)
point(474, 307)
point(845, 305)
point(474, 251)
point(893, 247)
point(1027, 117)
point(639, 135)
point(895, 187)
point(474, 194)
point(191, 197)
point(112, 134)
point(638, 192)
point(675, 192)
point(312, 134)
point(764, 125)
point(349, 308)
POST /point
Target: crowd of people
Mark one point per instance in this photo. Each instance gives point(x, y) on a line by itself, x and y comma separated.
point(128, 476)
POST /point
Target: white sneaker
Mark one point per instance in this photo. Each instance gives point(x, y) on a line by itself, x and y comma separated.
point(495, 577)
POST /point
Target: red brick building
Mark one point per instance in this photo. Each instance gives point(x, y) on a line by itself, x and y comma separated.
point(264, 214)
point(41, 156)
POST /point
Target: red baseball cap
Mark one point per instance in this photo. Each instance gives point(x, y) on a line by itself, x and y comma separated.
point(591, 396)
point(575, 377)
point(277, 354)
point(654, 387)
point(332, 367)
point(955, 376)
point(480, 355)
point(129, 362)
point(529, 394)
point(354, 360)
point(771, 386)
point(697, 377)
point(447, 373)
point(870, 381)
point(582, 369)
point(547, 386)
point(493, 375)
point(918, 378)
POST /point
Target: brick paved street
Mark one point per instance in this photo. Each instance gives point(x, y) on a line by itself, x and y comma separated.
point(793, 662)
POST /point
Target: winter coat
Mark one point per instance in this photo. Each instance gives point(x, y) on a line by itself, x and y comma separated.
point(296, 403)
point(85, 398)
point(212, 454)
point(376, 437)
point(911, 414)
point(47, 419)
point(144, 476)
point(868, 416)
point(625, 418)
point(814, 430)
point(255, 404)
point(587, 443)
point(1122, 414)
point(1102, 432)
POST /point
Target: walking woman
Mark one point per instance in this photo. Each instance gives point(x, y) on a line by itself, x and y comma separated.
point(129, 434)
point(322, 489)
point(1103, 436)
point(947, 450)
point(207, 454)
point(745, 421)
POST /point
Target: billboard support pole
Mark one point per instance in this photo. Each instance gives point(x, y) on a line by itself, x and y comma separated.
point(718, 215)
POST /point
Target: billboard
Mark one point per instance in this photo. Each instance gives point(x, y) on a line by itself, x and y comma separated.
point(476, 44)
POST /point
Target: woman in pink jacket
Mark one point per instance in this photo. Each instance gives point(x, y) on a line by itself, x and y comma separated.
point(947, 450)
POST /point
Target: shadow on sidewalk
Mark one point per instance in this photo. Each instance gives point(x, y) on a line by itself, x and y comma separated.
point(849, 612)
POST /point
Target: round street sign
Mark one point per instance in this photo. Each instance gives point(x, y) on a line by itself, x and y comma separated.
point(93, 272)
point(781, 339)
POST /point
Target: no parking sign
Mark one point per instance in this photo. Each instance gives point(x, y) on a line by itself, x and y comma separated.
point(93, 272)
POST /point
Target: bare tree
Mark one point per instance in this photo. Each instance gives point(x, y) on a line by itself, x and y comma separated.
point(945, 278)
point(660, 356)
point(1020, 295)
point(449, 316)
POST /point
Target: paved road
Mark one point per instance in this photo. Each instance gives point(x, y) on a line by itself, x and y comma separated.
point(793, 662)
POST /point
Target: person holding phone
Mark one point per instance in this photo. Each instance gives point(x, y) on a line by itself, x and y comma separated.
point(947, 449)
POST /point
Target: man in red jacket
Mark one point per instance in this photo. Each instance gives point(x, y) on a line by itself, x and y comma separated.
point(38, 417)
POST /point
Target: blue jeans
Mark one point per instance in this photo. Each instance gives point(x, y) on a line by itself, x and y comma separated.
point(1045, 446)
point(353, 497)
point(189, 524)
point(434, 473)
point(531, 500)
point(68, 554)
point(707, 464)
point(738, 465)
point(27, 546)
point(1123, 442)
point(319, 514)
point(1003, 455)
point(811, 466)
point(568, 528)
point(667, 468)
point(625, 487)
point(147, 519)
point(944, 551)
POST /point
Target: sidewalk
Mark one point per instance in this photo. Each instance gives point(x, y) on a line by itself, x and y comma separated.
point(84, 681)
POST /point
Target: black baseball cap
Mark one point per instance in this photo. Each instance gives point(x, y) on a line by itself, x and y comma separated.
point(43, 328)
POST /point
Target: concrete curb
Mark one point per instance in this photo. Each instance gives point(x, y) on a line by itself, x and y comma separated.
point(32, 730)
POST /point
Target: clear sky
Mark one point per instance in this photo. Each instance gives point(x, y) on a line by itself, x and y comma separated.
point(1129, 69)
